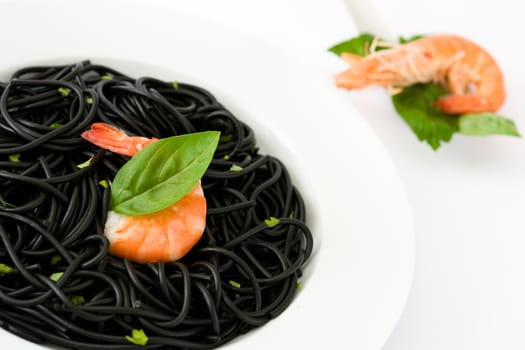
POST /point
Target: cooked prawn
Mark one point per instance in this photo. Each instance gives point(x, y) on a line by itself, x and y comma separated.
point(115, 140)
point(470, 73)
point(166, 235)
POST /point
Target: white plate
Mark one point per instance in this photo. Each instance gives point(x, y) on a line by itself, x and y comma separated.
point(355, 287)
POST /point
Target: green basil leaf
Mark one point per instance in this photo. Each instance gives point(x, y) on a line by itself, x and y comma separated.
point(358, 45)
point(415, 104)
point(482, 124)
point(355, 45)
point(162, 173)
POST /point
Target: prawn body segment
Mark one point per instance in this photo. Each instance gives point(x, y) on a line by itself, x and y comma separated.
point(468, 72)
point(166, 235)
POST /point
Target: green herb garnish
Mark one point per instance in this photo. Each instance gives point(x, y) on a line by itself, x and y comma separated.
point(77, 299)
point(403, 40)
point(234, 284)
point(89, 100)
point(363, 44)
point(85, 164)
point(56, 276)
point(55, 259)
point(358, 46)
point(7, 204)
point(5, 269)
point(175, 84)
point(103, 183)
point(15, 158)
point(162, 173)
point(56, 125)
point(64, 91)
point(226, 138)
point(271, 222)
point(483, 124)
point(138, 337)
point(236, 168)
point(430, 124)
point(106, 77)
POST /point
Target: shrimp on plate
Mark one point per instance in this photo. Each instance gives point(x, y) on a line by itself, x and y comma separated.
point(166, 235)
point(470, 73)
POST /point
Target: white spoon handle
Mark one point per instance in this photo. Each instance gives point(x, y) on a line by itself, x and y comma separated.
point(368, 19)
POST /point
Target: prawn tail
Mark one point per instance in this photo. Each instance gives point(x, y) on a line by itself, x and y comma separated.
point(461, 104)
point(115, 140)
point(355, 77)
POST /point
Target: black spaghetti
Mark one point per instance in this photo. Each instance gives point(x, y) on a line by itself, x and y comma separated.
point(59, 285)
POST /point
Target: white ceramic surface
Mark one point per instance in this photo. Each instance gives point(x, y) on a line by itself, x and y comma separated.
point(355, 287)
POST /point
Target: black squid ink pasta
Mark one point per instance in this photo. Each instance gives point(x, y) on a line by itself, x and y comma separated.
point(58, 284)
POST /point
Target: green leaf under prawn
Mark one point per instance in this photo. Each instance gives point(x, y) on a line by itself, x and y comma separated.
point(361, 44)
point(483, 124)
point(415, 104)
point(357, 45)
point(162, 173)
point(403, 40)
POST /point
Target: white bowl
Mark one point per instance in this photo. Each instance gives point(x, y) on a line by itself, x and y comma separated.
point(358, 280)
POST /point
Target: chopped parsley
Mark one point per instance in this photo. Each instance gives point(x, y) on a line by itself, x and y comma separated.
point(234, 284)
point(55, 259)
point(64, 91)
point(5, 269)
point(56, 276)
point(77, 299)
point(15, 158)
point(236, 168)
point(138, 337)
point(85, 164)
point(272, 222)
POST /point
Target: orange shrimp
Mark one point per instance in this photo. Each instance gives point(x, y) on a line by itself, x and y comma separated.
point(115, 140)
point(166, 235)
point(472, 76)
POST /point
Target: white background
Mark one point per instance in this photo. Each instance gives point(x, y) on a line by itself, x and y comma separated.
point(468, 198)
